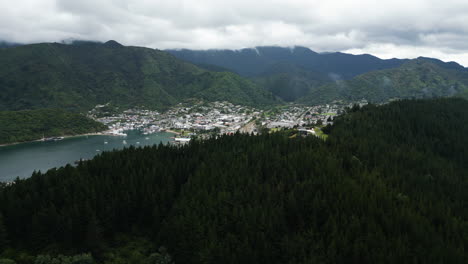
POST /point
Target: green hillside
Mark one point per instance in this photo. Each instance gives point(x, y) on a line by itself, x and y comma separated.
point(419, 78)
point(387, 186)
point(27, 125)
point(290, 82)
point(84, 74)
point(252, 62)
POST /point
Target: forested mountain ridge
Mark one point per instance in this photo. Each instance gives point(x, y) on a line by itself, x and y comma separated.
point(388, 185)
point(252, 62)
point(4, 44)
point(299, 74)
point(28, 125)
point(290, 82)
point(419, 78)
point(84, 74)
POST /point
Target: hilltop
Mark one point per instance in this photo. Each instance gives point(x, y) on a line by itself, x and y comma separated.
point(256, 61)
point(302, 75)
point(418, 78)
point(81, 75)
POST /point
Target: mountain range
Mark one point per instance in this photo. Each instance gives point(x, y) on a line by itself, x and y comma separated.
point(418, 78)
point(300, 74)
point(5, 44)
point(79, 75)
point(259, 60)
point(83, 74)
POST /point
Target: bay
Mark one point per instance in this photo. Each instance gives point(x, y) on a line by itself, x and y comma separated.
point(22, 159)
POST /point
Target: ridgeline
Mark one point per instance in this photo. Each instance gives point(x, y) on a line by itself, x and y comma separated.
point(83, 74)
point(300, 75)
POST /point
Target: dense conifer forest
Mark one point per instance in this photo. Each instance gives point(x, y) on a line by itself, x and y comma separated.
point(387, 186)
point(28, 125)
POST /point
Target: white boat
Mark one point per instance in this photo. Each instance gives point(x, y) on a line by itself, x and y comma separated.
point(180, 139)
point(118, 132)
point(124, 142)
point(105, 142)
point(138, 142)
point(147, 138)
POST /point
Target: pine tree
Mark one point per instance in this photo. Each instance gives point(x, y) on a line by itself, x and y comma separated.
point(3, 235)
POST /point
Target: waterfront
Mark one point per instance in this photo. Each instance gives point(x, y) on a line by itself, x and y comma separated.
point(202, 119)
point(22, 159)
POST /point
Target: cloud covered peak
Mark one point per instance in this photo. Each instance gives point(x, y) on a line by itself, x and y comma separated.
point(404, 29)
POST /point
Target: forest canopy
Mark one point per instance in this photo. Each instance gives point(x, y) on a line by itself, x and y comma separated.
point(388, 185)
point(28, 125)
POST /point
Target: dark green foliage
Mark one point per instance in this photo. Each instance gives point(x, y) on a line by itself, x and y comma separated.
point(289, 73)
point(388, 186)
point(3, 235)
point(82, 75)
point(419, 78)
point(311, 78)
point(27, 125)
point(78, 259)
point(126, 249)
point(5, 44)
point(214, 68)
point(161, 257)
point(427, 136)
point(256, 61)
point(290, 82)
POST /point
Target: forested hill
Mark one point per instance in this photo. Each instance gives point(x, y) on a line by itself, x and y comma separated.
point(419, 78)
point(27, 125)
point(84, 74)
point(418, 129)
point(4, 44)
point(388, 186)
point(256, 61)
point(299, 74)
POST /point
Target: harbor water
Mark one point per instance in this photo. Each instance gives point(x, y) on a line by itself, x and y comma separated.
point(22, 159)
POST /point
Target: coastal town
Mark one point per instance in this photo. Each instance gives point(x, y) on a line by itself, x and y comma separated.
point(213, 118)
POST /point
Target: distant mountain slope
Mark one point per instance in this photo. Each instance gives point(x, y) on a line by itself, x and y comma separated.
point(27, 125)
point(288, 73)
point(6, 44)
point(419, 78)
point(84, 74)
point(294, 73)
point(255, 61)
point(290, 82)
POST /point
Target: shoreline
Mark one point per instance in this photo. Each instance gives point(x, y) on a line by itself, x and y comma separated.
point(103, 133)
point(172, 131)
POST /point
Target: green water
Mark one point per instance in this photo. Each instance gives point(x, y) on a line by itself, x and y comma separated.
point(22, 159)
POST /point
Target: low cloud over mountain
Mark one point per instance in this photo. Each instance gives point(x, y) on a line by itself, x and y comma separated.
point(384, 28)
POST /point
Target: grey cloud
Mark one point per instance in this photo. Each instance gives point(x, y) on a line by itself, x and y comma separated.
point(385, 28)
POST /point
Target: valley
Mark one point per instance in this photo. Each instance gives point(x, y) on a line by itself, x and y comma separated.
point(217, 118)
point(262, 155)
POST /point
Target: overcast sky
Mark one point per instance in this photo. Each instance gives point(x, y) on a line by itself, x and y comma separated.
point(385, 28)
